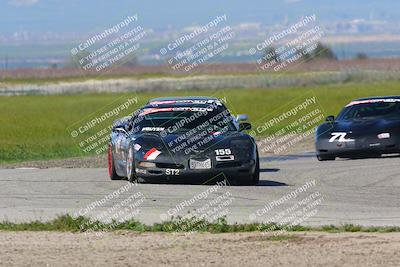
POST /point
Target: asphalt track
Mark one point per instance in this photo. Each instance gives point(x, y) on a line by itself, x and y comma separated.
point(364, 192)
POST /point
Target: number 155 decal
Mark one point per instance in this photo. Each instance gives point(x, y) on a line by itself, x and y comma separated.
point(223, 152)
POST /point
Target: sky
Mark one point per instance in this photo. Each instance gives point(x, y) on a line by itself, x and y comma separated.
point(80, 16)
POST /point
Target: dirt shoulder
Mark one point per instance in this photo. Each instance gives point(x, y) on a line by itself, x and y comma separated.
point(200, 249)
point(78, 162)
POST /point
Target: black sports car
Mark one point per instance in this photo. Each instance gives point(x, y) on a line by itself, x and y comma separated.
point(183, 139)
point(365, 127)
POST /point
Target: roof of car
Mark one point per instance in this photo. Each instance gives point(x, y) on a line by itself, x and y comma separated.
point(182, 98)
point(379, 97)
point(181, 103)
point(376, 99)
point(185, 101)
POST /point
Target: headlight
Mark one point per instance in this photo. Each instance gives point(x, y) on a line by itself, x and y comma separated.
point(146, 164)
point(242, 148)
point(384, 135)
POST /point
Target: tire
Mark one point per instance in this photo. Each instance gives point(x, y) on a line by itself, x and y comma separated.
point(325, 158)
point(256, 175)
point(254, 179)
point(111, 167)
point(130, 165)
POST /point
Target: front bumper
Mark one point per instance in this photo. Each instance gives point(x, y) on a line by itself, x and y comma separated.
point(219, 171)
point(360, 146)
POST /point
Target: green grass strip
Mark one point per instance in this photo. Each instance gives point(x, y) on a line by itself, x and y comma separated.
point(66, 223)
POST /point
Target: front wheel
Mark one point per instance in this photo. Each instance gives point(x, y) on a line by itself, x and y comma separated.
point(130, 165)
point(256, 175)
point(254, 179)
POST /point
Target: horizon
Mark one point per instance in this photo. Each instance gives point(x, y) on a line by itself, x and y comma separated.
point(39, 33)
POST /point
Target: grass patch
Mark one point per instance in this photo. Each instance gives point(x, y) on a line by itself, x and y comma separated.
point(36, 127)
point(67, 223)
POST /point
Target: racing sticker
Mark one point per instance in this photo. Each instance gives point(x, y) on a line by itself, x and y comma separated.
point(216, 133)
point(152, 154)
point(340, 137)
point(153, 129)
point(223, 152)
point(186, 101)
point(172, 172)
point(137, 147)
point(148, 111)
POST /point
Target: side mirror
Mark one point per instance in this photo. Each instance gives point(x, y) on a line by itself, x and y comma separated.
point(244, 126)
point(330, 118)
point(120, 128)
point(242, 117)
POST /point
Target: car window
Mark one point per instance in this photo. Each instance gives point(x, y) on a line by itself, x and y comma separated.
point(178, 121)
point(371, 110)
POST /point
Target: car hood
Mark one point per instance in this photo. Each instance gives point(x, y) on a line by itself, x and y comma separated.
point(203, 147)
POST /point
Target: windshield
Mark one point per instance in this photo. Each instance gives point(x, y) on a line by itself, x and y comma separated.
point(385, 110)
point(178, 120)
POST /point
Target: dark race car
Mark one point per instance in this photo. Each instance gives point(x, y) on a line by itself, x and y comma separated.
point(367, 127)
point(183, 140)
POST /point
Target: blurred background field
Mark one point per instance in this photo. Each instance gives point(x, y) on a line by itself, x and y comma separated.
point(46, 90)
point(36, 127)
